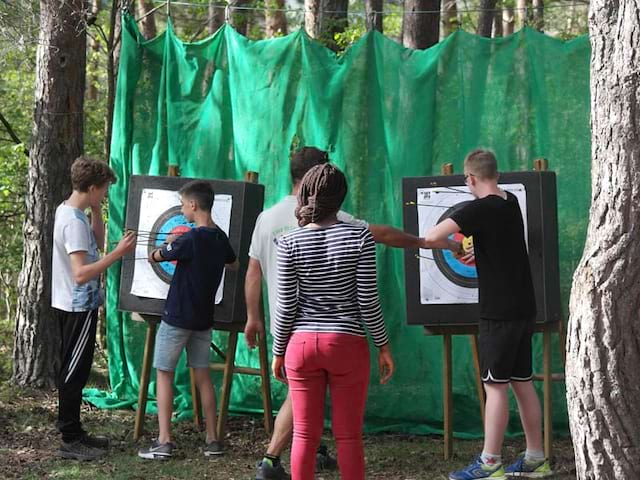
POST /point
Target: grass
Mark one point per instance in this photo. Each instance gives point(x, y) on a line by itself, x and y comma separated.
point(28, 441)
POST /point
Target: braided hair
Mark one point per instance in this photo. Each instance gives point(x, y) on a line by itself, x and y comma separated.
point(321, 194)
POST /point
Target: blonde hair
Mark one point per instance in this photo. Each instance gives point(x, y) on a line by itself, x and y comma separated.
point(482, 164)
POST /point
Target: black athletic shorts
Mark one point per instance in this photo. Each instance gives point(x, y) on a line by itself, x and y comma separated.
point(505, 350)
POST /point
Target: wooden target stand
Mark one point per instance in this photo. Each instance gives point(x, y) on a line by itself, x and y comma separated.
point(227, 366)
point(547, 377)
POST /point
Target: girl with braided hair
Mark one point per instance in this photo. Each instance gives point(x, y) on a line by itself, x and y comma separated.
point(327, 295)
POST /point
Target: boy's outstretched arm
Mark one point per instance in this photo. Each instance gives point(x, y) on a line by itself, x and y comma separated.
point(438, 236)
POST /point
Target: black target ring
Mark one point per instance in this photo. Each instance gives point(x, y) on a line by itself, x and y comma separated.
point(170, 221)
point(453, 269)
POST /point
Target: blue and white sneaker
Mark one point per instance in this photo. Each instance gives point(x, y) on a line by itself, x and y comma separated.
point(479, 469)
point(522, 468)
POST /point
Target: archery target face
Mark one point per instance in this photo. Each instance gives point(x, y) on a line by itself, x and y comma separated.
point(444, 279)
point(160, 216)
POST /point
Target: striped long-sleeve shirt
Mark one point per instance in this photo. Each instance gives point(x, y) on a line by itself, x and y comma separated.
point(327, 283)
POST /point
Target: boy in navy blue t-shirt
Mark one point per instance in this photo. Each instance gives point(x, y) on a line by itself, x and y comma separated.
point(201, 256)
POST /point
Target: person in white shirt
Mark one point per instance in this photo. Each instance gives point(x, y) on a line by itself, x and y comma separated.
point(76, 296)
point(272, 224)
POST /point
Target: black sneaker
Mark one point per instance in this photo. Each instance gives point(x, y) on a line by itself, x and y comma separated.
point(79, 451)
point(324, 461)
point(267, 471)
point(157, 451)
point(212, 449)
point(97, 441)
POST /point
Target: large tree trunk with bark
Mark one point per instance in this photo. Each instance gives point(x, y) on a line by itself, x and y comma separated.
point(485, 20)
point(57, 141)
point(148, 22)
point(603, 352)
point(275, 18)
point(420, 30)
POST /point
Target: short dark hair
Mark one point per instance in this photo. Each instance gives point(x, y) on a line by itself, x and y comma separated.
point(86, 171)
point(482, 164)
point(304, 160)
point(201, 192)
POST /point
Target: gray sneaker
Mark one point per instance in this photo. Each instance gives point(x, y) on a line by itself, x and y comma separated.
point(266, 471)
point(212, 449)
point(157, 451)
point(79, 451)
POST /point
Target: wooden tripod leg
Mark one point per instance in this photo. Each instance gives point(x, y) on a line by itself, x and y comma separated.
point(227, 378)
point(447, 396)
point(548, 410)
point(195, 400)
point(147, 359)
point(476, 365)
point(265, 375)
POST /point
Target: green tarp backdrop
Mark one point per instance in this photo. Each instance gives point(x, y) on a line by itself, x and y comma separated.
point(225, 105)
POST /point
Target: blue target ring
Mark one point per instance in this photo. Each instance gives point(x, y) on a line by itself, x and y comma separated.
point(170, 222)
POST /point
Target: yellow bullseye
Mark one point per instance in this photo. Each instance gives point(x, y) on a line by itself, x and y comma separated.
point(467, 244)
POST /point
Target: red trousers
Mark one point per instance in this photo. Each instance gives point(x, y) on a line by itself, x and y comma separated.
point(313, 362)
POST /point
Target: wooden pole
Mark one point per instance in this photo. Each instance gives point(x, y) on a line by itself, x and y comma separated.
point(147, 358)
point(227, 378)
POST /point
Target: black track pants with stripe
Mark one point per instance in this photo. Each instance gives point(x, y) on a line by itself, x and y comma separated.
point(78, 333)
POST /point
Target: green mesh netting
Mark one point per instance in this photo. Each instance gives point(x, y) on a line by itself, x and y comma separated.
point(225, 105)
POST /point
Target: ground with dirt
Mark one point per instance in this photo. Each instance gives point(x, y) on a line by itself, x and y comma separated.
point(28, 442)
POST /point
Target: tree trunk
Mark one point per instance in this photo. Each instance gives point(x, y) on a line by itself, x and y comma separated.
point(313, 17)
point(216, 17)
point(373, 9)
point(508, 21)
point(497, 23)
point(538, 15)
point(57, 141)
point(239, 18)
point(485, 19)
point(275, 21)
point(450, 22)
point(148, 22)
point(603, 353)
point(420, 30)
point(113, 60)
point(523, 13)
point(94, 46)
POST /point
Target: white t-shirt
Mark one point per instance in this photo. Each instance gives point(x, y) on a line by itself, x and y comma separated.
point(270, 226)
point(72, 233)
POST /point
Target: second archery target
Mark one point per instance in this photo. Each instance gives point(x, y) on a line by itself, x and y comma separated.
point(442, 290)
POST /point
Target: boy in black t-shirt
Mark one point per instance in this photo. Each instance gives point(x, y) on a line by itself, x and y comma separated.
point(507, 316)
point(201, 255)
